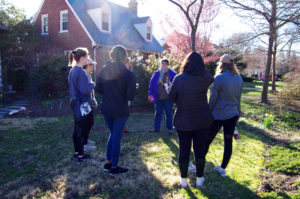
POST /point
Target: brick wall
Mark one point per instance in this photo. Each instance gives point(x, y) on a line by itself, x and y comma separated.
point(75, 37)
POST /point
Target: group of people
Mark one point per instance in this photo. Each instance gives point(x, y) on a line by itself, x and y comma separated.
point(196, 120)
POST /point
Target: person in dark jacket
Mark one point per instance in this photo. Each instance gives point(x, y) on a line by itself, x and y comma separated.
point(225, 104)
point(80, 89)
point(117, 85)
point(193, 116)
point(158, 93)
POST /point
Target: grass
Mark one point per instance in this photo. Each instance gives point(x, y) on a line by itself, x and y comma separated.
point(41, 166)
point(35, 156)
point(259, 84)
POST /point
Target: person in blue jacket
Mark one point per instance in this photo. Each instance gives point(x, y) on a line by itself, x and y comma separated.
point(159, 87)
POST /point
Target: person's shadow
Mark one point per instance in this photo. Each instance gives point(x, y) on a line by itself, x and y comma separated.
point(215, 186)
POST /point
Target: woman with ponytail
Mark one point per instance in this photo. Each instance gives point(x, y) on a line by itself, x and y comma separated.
point(80, 89)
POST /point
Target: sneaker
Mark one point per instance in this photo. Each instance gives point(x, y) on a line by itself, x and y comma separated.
point(183, 183)
point(221, 171)
point(75, 157)
point(200, 181)
point(106, 167)
point(91, 142)
point(116, 171)
point(192, 168)
point(82, 159)
point(89, 148)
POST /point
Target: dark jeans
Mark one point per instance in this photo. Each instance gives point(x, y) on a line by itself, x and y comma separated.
point(89, 125)
point(228, 130)
point(116, 127)
point(160, 106)
point(185, 142)
point(80, 132)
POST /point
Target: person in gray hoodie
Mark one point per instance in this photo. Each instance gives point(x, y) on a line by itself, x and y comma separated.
point(225, 104)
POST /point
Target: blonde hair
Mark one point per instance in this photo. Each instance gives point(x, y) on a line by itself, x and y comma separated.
point(226, 66)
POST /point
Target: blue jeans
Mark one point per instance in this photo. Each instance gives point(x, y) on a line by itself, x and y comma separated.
point(160, 106)
point(116, 127)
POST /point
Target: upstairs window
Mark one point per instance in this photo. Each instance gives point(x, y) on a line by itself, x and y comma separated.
point(149, 33)
point(64, 21)
point(105, 21)
point(45, 24)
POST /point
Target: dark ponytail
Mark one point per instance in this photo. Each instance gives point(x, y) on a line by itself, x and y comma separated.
point(77, 54)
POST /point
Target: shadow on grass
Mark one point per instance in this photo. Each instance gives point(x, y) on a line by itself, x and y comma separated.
point(52, 173)
point(215, 186)
point(263, 135)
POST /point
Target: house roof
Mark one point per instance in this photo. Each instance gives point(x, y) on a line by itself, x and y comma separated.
point(123, 31)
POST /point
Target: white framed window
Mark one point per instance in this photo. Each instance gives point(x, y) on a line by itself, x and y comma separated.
point(64, 22)
point(149, 32)
point(105, 20)
point(102, 17)
point(45, 24)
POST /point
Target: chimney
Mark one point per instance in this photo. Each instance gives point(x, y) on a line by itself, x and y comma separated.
point(133, 5)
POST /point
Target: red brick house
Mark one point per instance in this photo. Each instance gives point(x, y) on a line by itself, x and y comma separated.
point(95, 24)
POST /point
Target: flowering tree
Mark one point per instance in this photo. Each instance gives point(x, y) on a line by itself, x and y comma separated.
point(191, 29)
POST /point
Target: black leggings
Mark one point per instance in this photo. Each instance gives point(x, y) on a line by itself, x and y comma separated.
point(185, 142)
point(89, 125)
point(228, 130)
point(81, 130)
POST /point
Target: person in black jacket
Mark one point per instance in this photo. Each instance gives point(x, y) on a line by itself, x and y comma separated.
point(193, 116)
point(117, 85)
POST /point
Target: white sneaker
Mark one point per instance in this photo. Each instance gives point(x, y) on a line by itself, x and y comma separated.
point(192, 168)
point(200, 181)
point(183, 182)
point(91, 142)
point(89, 148)
point(220, 170)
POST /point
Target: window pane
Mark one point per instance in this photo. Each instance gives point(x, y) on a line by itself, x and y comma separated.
point(105, 26)
point(148, 36)
point(65, 25)
point(104, 17)
point(65, 17)
point(45, 25)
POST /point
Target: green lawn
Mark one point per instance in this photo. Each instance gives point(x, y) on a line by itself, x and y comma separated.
point(259, 84)
point(36, 157)
point(35, 160)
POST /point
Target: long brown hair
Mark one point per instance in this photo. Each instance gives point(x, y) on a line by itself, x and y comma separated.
point(77, 54)
point(226, 66)
point(193, 64)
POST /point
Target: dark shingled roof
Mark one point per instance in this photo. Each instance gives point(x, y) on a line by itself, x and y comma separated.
point(123, 31)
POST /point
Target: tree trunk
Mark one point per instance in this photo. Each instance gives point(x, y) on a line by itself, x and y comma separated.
point(193, 40)
point(264, 93)
point(274, 64)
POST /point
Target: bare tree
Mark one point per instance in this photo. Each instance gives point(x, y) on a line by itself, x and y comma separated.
point(268, 16)
point(192, 10)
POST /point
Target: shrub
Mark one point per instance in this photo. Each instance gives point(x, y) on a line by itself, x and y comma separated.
point(52, 77)
point(290, 91)
point(285, 160)
point(247, 79)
